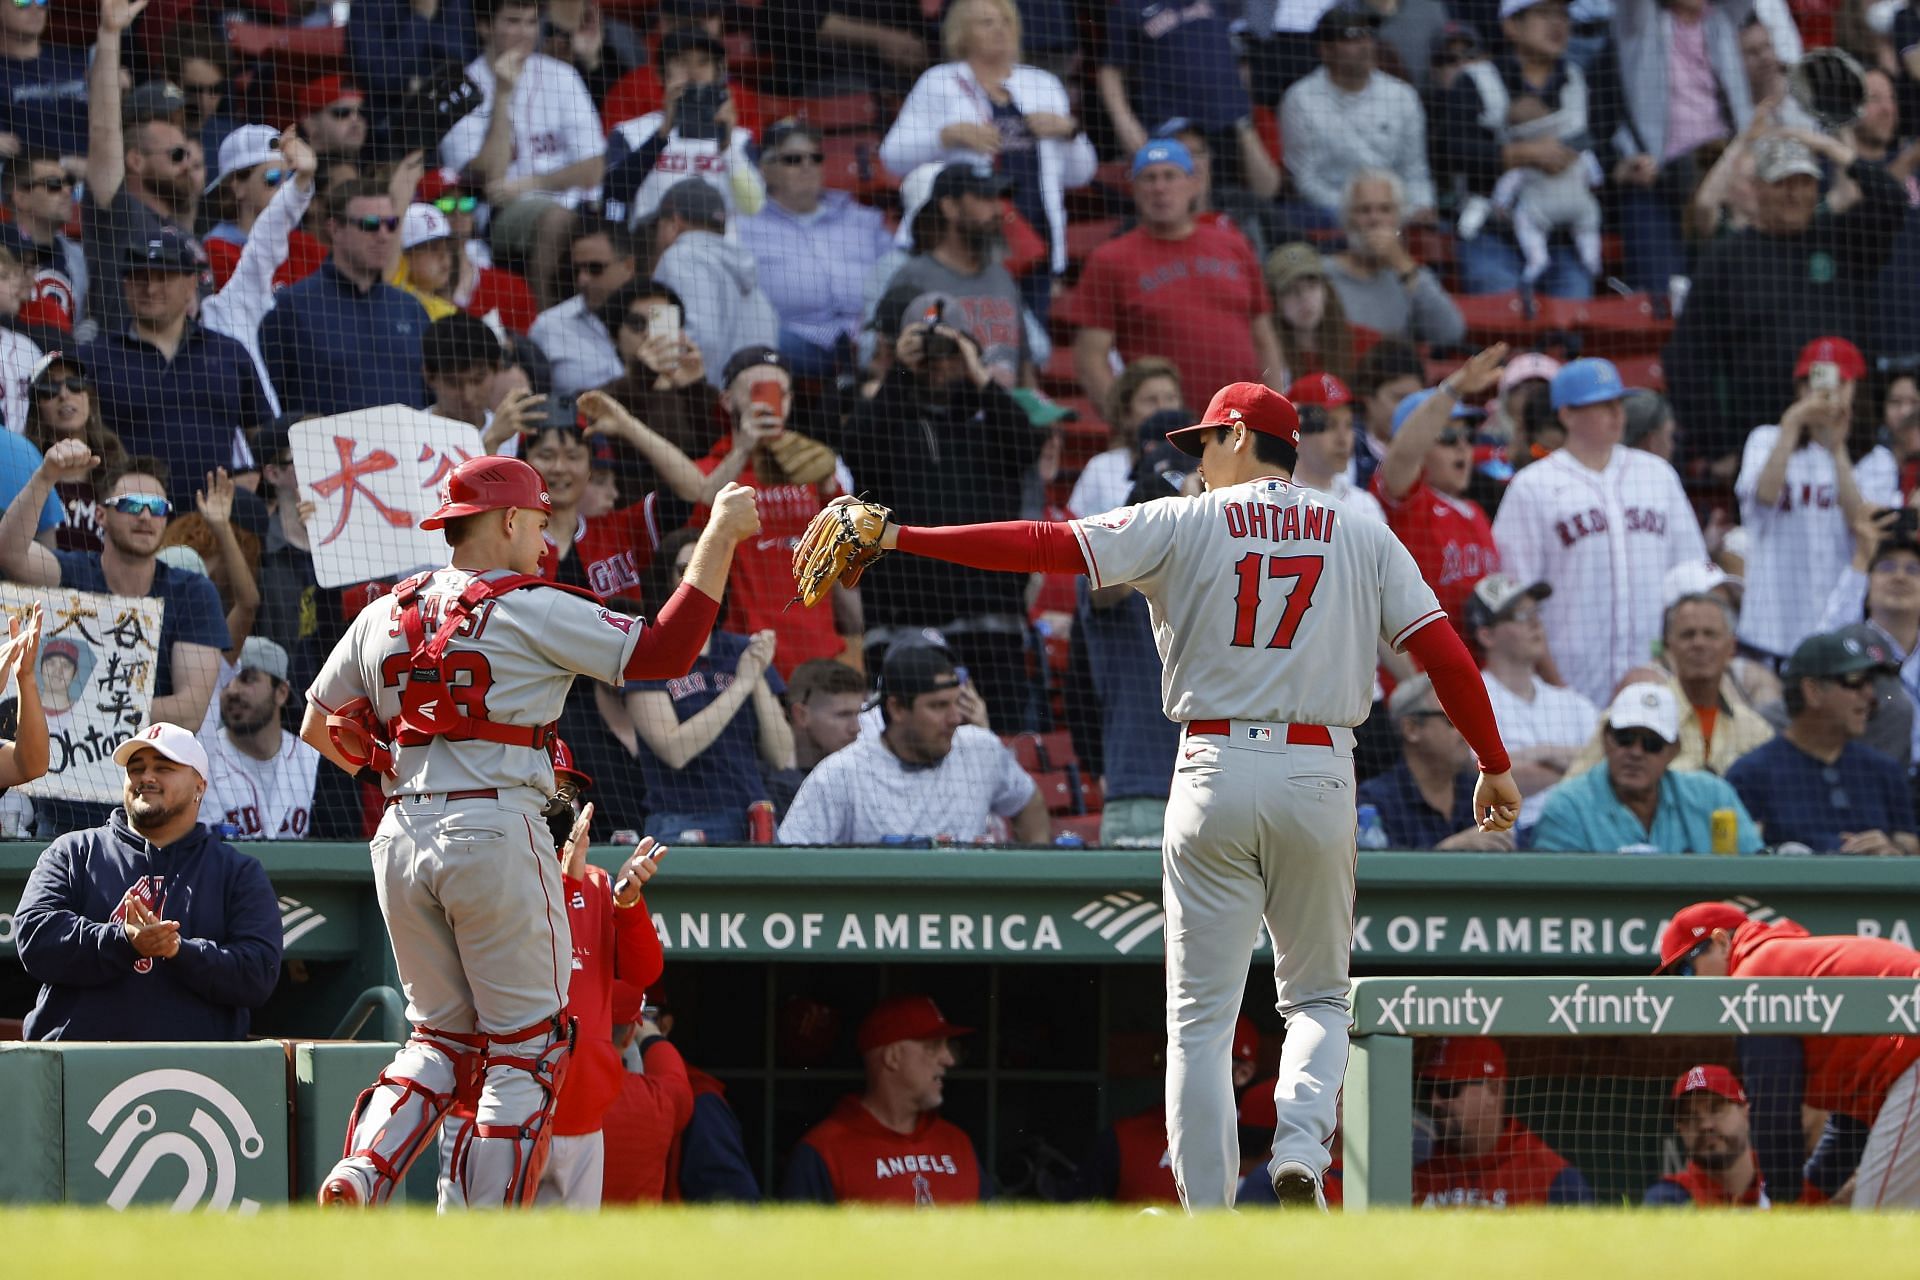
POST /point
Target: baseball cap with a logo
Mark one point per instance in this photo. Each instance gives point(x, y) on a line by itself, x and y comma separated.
point(905, 1018)
point(245, 147)
point(1646, 706)
point(1692, 924)
point(1253, 405)
point(423, 224)
point(1775, 159)
point(562, 756)
point(1496, 593)
point(1834, 351)
point(1589, 380)
point(1465, 1058)
point(1320, 388)
point(1526, 367)
point(1709, 1077)
point(1694, 578)
point(1835, 653)
point(1162, 151)
point(171, 741)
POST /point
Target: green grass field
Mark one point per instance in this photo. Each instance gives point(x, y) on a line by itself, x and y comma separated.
point(994, 1244)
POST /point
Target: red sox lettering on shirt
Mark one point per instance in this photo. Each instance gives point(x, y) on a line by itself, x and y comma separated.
point(1519, 1170)
point(935, 1164)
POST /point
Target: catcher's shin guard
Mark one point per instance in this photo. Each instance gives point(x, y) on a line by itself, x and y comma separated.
point(498, 1157)
point(395, 1118)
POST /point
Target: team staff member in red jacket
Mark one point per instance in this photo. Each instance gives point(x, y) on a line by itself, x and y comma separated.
point(1866, 1081)
point(889, 1144)
point(1711, 1115)
point(1481, 1157)
point(644, 1123)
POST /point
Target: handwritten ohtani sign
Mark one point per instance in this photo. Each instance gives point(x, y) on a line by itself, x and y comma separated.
point(95, 674)
point(371, 475)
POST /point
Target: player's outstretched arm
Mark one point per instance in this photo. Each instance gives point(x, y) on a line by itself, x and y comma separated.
point(1463, 695)
point(1013, 546)
point(667, 648)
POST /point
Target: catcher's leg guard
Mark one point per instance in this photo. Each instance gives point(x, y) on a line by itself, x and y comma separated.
point(396, 1117)
point(498, 1158)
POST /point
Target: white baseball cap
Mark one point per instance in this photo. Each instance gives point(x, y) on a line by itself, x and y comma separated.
point(171, 741)
point(1508, 8)
point(1694, 578)
point(915, 191)
point(245, 147)
point(423, 225)
point(1646, 706)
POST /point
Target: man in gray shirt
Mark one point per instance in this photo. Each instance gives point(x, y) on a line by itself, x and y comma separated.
point(1349, 115)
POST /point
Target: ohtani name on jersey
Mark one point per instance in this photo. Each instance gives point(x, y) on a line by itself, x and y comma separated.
point(1305, 523)
point(1585, 524)
point(896, 1166)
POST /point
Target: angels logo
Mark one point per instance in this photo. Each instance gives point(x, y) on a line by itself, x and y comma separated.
point(1116, 519)
point(204, 1148)
point(619, 621)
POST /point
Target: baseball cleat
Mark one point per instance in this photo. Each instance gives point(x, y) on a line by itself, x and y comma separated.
point(1296, 1188)
point(341, 1192)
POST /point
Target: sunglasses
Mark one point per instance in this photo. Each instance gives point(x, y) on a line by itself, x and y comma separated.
point(373, 222)
point(1905, 568)
point(64, 182)
point(47, 390)
point(142, 504)
point(457, 204)
point(1685, 968)
point(31, 4)
point(346, 112)
point(1645, 739)
point(174, 155)
point(794, 159)
point(1350, 33)
point(1853, 681)
point(595, 269)
point(1453, 438)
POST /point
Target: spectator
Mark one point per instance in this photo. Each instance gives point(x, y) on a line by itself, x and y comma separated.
point(168, 386)
point(343, 338)
point(696, 133)
point(1349, 118)
point(956, 236)
point(1650, 425)
point(425, 269)
point(1815, 785)
point(45, 86)
point(138, 180)
point(1636, 802)
point(1761, 294)
point(538, 159)
point(889, 1145)
point(26, 756)
point(205, 541)
point(986, 108)
point(639, 90)
point(1584, 509)
point(1894, 461)
point(1176, 287)
point(1481, 137)
point(1311, 323)
point(936, 415)
point(1482, 1157)
point(255, 164)
point(396, 49)
point(1422, 484)
point(665, 384)
point(916, 191)
point(1222, 196)
point(1683, 86)
point(1543, 725)
point(294, 612)
point(1146, 387)
point(1523, 415)
point(494, 294)
point(1137, 741)
point(40, 197)
point(460, 361)
point(1380, 284)
point(602, 49)
point(926, 774)
point(815, 249)
point(874, 42)
point(333, 117)
point(707, 735)
point(260, 778)
point(572, 333)
point(1883, 583)
point(1712, 1119)
point(93, 924)
point(19, 354)
point(19, 458)
point(62, 404)
point(1387, 374)
point(726, 310)
point(1326, 443)
point(197, 62)
point(1426, 800)
point(823, 709)
point(1166, 64)
point(1799, 498)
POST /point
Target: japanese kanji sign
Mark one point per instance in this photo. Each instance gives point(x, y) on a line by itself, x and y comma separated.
point(95, 672)
point(371, 475)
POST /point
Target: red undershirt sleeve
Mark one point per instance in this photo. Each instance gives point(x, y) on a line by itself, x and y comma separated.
point(668, 646)
point(1015, 546)
point(1462, 693)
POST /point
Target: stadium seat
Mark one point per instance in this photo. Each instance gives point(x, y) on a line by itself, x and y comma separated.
point(1084, 237)
point(1642, 371)
point(1056, 749)
point(314, 48)
point(853, 163)
point(1026, 749)
point(1093, 795)
point(1061, 790)
point(834, 113)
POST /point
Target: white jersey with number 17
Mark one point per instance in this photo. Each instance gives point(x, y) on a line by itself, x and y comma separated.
point(1266, 599)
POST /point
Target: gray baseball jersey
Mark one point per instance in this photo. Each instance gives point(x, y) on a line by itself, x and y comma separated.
point(512, 664)
point(1265, 599)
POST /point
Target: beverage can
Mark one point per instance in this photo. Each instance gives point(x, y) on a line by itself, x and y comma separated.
point(1726, 831)
point(760, 822)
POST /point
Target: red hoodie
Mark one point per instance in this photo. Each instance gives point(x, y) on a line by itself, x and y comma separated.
point(611, 948)
point(1847, 1074)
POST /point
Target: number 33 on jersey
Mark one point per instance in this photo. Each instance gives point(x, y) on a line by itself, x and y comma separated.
point(1266, 599)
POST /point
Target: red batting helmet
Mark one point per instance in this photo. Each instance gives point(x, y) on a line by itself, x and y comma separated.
point(562, 756)
point(489, 484)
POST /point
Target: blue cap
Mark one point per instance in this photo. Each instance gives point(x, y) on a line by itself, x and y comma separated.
point(1587, 381)
point(1163, 151)
point(1414, 400)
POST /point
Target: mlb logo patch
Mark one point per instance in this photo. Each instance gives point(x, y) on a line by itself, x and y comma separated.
point(1257, 734)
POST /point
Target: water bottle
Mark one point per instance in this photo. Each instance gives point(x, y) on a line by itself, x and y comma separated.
point(1369, 833)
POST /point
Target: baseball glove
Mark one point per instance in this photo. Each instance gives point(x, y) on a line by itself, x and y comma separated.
point(839, 544)
point(801, 458)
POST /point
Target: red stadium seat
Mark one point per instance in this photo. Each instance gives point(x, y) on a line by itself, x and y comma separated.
point(1093, 795)
point(313, 46)
point(1642, 371)
point(1084, 237)
point(837, 113)
point(1056, 748)
point(1061, 790)
point(1026, 749)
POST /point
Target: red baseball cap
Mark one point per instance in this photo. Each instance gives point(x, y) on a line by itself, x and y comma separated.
point(319, 94)
point(905, 1018)
point(1321, 389)
point(1853, 365)
point(1690, 924)
point(1709, 1078)
point(562, 756)
point(1249, 404)
point(1246, 1040)
point(1465, 1058)
point(436, 183)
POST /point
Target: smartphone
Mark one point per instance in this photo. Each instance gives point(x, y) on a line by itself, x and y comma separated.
point(663, 321)
point(771, 396)
point(1907, 523)
point(1824, 375)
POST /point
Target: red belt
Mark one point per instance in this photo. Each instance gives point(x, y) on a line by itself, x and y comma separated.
point(1298, 735)
point(478, 793)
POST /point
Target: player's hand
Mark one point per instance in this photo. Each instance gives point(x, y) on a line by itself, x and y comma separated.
point(1496, 801)
point(68, 461)
point(636, 871)
point(215, 502)
point(573, 857)
point(1481, 372)
point(735, 512)
point(152, 937)
point(19, 654)
point(1870, 844)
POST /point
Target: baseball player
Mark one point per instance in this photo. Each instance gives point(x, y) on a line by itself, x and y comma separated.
point(447, 697)
point(1266, 598)
point(1865, 1081)
point(1711, 1115)
point(1602, 524)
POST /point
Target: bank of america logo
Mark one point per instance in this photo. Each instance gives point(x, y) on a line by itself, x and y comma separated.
point(1126, 919)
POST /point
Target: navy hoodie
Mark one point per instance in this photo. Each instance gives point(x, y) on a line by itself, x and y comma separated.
point(92, 987)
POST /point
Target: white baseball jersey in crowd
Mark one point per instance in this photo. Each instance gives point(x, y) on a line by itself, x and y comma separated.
point(702, 158)
point(1552, 717)
point(1801, 542)
point(266, 799)
point(1604, 540)
point(863, 793)
point(554, 123)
